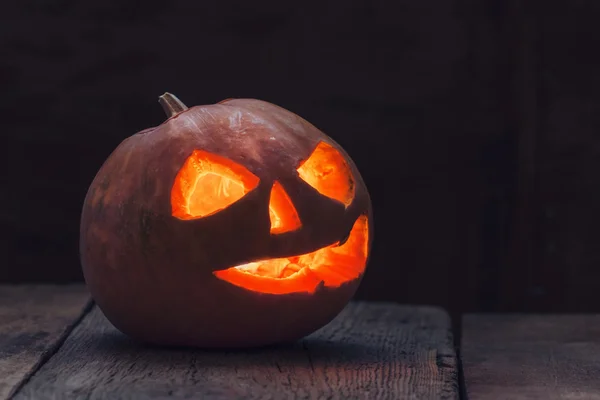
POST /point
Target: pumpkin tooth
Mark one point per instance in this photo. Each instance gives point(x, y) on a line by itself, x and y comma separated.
point(289, 270)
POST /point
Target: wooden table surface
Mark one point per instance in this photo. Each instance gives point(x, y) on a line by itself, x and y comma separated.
point(54, 343)
point(518, 357)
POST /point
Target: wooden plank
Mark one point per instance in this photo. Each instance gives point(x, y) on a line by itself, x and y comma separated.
point(519, 356)
point(374, 350)
point(34, 319)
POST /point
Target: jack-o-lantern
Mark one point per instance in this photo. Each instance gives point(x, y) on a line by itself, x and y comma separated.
point(229, 225)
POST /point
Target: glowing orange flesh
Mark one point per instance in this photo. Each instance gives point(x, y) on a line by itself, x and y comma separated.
point(333, 265)
point(207, 183)
point(284, 217)
point(327, 171)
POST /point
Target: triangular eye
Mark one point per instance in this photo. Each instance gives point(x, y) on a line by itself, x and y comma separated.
point(284, 217)
point(208, 183)
point(327, 171)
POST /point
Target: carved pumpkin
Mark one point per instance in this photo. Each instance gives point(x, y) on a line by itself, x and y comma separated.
point(229, 225)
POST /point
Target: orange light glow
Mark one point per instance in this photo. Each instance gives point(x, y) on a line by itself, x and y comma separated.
point(284, 217)
point(207, 183)
point(333, 265)
point(327, 171)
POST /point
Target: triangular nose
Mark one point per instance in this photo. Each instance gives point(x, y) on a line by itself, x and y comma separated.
point(284, 217)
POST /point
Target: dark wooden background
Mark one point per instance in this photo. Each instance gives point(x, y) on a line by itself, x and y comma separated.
point(475, 124)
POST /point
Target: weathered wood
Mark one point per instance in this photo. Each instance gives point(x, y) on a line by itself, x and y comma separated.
point(33, 322)
point(511, 356)
point(372, 350)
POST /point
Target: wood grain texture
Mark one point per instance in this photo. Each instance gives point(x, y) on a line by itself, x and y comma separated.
point(518, 357)
point(33, 322)
point(372, 350)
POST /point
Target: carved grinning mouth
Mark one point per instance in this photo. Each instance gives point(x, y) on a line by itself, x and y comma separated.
point(330, 266)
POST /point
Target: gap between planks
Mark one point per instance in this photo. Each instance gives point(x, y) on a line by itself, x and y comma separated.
point(34, 321)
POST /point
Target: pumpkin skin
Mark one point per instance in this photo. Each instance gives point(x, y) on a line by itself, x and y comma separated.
point(154, 275)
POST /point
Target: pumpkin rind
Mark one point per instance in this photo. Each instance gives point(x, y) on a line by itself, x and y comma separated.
point(151, 273)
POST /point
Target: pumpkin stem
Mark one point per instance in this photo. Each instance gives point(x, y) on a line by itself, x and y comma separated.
point(171, 104)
